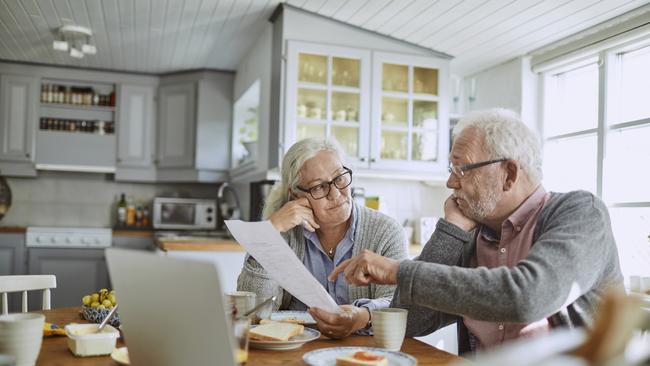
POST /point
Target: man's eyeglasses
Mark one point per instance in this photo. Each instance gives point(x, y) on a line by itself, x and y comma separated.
point(460, 170)
point(323, 189)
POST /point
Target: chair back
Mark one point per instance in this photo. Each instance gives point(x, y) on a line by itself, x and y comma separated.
point(26, 283)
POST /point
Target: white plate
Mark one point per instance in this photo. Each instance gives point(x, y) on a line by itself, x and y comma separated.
point(293, 342)
point(327, 356)
point(301, 315)
point(121, 356)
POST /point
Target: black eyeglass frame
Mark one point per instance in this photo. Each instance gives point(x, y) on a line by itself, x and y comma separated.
point(460, 170)
point(329, 185)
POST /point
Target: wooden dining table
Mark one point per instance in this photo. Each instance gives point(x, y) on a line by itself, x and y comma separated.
point(54, 351)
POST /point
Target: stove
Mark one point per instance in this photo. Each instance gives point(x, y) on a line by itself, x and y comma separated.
point(56, 237)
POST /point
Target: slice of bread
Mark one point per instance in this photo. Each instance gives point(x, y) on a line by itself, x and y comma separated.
point(362, 358)
point(276, 331)
point(284, 320)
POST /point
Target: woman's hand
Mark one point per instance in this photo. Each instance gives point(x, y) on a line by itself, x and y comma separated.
point(348, 321)
point(294, 213)
point(367, 268)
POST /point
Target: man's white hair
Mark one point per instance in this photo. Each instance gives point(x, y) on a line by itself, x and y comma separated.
point(506, 137)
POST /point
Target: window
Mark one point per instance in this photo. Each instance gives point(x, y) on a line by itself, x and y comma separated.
point(596, 129)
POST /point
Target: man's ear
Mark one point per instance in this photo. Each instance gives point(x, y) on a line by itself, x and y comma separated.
point(512, 174)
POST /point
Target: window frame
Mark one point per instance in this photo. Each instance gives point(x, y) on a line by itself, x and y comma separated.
point(609, 62)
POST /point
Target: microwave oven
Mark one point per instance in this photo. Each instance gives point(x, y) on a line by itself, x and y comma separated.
point(184, 213)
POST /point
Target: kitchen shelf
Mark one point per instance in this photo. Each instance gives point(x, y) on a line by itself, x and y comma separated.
point(78, 106)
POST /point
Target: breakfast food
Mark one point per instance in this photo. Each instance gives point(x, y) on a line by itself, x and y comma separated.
point(362, 358)
point(104, 299)
point(290, 319)
point(276, 331)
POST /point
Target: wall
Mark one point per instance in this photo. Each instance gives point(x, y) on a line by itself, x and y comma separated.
point(510, 85)
point(82, 199)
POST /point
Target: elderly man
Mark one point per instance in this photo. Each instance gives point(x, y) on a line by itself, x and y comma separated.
point(509, 259)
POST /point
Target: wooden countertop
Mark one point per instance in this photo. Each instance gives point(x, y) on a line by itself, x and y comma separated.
point(12, 230)
point(205, 244)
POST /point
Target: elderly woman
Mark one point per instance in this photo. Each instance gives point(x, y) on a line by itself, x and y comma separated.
point(313, 209)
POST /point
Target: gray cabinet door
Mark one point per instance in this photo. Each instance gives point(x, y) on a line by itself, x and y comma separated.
point(177, 125)
point(78, 272)
point(135, 133)
point(18, 101)
point(12, 262)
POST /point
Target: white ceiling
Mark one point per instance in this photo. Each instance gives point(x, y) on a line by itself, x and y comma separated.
point(169, 35)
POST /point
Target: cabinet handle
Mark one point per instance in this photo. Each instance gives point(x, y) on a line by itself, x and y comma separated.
point(362, 159)
point(373, 160)
point(27, 154)
point(155, 162)
point(119, 160)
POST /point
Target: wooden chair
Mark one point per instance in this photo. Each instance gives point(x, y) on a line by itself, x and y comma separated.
point(24, 284)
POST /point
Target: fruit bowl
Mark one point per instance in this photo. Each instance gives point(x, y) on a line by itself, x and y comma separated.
point(95, 315)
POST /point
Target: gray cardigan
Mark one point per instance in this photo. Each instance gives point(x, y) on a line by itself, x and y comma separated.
point(572, 261)
point(374, 231)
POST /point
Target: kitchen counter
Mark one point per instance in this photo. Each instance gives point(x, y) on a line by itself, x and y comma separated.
point(198, 244)
point(12, 229)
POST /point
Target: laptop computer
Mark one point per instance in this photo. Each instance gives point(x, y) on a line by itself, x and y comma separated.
point(172, 310)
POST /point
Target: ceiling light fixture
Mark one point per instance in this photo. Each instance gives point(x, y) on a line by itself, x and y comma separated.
point(74, 39)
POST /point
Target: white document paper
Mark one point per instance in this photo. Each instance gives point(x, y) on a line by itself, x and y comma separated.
point(268, 247)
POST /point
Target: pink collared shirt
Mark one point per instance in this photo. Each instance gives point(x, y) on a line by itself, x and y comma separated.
point(515, 243)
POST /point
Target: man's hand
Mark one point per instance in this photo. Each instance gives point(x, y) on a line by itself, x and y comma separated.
point(367, 268)
point(454, 215)
point(294, 213)
point(349, 320)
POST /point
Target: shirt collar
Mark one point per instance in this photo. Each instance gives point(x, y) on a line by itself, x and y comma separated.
point(527, 208)
point(520, 216)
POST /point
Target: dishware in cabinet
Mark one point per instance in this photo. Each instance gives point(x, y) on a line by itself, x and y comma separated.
point(409, 113)
point(328, 95)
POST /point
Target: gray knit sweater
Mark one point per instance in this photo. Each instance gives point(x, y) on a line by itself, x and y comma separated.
point(374, 231)
point(572, 261)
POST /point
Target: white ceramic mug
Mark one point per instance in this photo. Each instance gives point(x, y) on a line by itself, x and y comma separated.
point(21, 336)
point(389, 327)
point(243, 301)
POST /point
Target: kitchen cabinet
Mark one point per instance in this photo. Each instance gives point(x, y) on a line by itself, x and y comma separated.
point(78, 272)
point(177, 125)
point(136, 133)
point(388, 111)
point(328, 95)
point(18, 115)
point(410, 114)
point(133, 242)
point(12, 262)
point(194, 127)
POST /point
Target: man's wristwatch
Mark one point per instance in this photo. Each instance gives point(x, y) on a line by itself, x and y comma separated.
point(369, 324)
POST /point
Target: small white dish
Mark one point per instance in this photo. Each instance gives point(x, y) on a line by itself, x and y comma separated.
point(303, 316)
point(84, 341)
point(294, 342)
point(327, 356)
point(121, 356)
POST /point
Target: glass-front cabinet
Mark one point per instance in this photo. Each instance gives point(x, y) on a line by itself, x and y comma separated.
point(386, 110)
point(410, 129)
point(328, 96)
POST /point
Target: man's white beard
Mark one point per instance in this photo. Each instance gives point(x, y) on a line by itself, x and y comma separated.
point(479, 210)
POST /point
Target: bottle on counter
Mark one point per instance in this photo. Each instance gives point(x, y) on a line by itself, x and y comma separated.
point(145, 216)
point(130, 213)
point(139, 214)
point(121, 211)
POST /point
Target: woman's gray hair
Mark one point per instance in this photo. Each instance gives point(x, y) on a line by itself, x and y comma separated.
point(506, 136)
point(292, 163)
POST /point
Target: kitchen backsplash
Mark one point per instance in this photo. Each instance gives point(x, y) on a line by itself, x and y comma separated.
point(82, 199)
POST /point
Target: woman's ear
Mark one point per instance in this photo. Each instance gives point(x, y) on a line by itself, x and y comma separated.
point(512, 174)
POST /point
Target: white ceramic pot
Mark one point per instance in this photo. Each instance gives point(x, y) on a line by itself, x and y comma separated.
point(21, 336)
